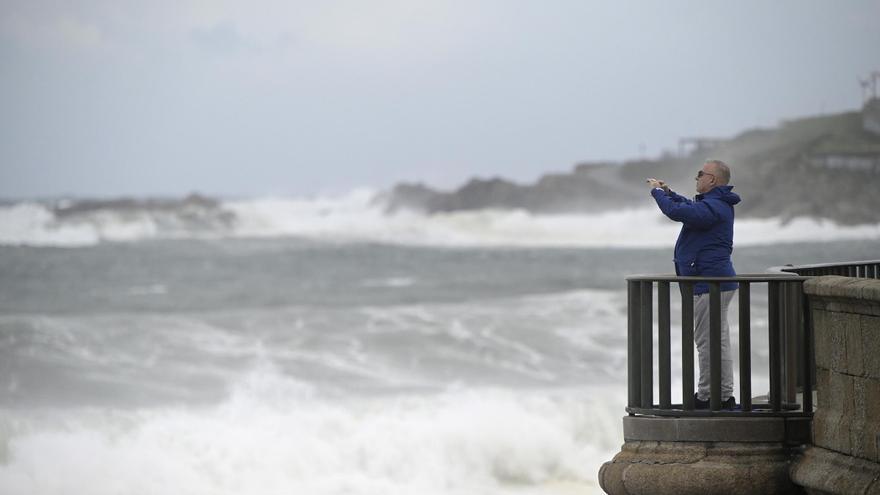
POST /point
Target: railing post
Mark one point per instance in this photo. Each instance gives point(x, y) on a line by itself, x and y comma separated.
point(634, 343)
point(663, 342)
point(791, 339)
point(774, 345)
point(745, 346)
point(808, 366)
point(647, 330)
point(687, 345)
point(714, 346)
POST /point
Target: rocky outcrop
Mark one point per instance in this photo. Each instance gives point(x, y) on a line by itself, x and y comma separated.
point(790, 171)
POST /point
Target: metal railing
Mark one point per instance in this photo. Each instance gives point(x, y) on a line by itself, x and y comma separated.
point(790, 345)
point(858, 269)
point(789, 331)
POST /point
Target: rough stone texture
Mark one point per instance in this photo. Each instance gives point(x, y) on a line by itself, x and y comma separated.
point(833, 418)
point(684, 468)
point(842, 287)
point(845, 457)
point(865, 426)
point(822, 471)
point(844, 295)
point(840, 326)
point(870, 326)
point(854, 364)
point(847, 340)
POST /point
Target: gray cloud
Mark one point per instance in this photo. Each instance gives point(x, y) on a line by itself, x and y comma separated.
point(302, 97)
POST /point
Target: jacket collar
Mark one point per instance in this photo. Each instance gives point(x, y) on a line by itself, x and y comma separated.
point(716, 191)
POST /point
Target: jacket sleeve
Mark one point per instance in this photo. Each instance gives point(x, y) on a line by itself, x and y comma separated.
point(696, 214)
point(678, 198)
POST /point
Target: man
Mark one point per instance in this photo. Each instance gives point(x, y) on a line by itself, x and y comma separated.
point(703, 248)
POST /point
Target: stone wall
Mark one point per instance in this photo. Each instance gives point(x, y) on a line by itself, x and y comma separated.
point(845, 456)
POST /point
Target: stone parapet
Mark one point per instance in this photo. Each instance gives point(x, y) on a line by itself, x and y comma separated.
point(698, 468)
point(821, 471)
point(846, 323)
point(845, 456)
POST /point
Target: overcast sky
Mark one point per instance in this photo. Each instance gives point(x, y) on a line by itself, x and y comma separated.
point(317, 97)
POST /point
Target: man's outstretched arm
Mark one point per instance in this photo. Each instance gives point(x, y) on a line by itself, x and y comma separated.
point(678, 208)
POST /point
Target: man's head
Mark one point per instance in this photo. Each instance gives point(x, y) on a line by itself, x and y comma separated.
point(714, 173)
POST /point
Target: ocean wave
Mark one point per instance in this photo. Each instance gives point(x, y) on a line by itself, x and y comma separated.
point(276, 435)
point(361, 217)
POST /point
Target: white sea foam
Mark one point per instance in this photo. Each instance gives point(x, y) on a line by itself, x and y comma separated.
point(275, 435)
point(358, 217)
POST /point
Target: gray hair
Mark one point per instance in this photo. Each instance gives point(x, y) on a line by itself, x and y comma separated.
point(722, 169)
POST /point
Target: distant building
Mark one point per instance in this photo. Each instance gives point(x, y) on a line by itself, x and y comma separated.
point(853, 152)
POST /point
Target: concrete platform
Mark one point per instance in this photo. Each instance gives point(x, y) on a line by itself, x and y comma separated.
point(790, 431)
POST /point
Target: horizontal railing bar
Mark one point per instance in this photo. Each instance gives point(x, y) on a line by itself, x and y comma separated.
point(738, 278)
point(676, 411)
point(823, 265)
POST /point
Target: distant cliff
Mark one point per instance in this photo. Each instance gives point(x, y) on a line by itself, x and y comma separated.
point(822, 167)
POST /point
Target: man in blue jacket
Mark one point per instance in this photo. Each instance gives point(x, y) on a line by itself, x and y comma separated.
point(703, 248)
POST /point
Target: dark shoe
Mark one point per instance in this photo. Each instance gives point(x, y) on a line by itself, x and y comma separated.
point(729, 404)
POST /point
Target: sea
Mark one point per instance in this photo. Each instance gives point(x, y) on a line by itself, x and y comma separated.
point(322, 346)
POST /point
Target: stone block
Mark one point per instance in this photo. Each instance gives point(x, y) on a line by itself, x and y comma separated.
point(833, 419)
point(870, 340)
point(864, 421)
point(863, 441)
point(838, 326)
point(872, 400)
point(684, 468)
point(854, 346)
point(824, 286)
point(822, 392)
point(822, 471)
point(866, 424)
point(871, 291)
point(822, 338)
point(841, 396)
point(848, 287)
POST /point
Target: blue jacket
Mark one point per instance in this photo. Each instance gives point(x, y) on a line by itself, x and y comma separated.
point(705, 242)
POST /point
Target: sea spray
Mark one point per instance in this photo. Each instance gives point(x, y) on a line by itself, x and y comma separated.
point(360, 217)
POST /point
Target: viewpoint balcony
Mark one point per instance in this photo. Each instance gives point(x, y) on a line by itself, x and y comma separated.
point(672, 447)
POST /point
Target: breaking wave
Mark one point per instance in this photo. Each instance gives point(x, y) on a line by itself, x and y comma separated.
point(276, 435)
point(360, 217)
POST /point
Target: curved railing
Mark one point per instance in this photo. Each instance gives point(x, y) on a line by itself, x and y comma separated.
point(790, 346)
point(789, 331)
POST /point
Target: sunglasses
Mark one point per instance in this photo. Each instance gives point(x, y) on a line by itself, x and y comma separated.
point(701, 173)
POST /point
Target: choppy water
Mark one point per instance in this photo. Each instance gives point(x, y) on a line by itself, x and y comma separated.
point(322, 364)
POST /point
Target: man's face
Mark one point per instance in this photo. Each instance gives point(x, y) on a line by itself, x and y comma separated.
point(706, 178)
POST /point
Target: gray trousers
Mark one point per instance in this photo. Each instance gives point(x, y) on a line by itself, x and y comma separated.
point(701, 338)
